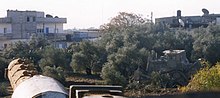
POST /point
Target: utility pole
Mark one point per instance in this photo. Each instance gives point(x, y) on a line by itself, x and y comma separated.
point(151, 17)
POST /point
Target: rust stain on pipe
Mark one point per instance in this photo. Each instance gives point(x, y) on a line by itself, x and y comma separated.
point(18, 71)
point(27, 83)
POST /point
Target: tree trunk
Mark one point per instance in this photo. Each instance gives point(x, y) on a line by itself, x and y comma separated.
point(88, 71)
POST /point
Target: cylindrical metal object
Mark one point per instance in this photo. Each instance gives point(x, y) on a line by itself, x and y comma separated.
point(19, 71)
point(27, 84)
point(40, 86)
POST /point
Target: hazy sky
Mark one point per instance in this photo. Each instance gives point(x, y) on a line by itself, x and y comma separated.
point(93, 13)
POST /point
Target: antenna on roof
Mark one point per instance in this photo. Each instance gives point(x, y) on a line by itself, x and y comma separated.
point(151, 17)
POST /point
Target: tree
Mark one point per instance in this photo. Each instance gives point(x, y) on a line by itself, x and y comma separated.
point(3, 65)
point(54, 63)
point(28, 50)
point(122, 24)
point(55, 72)
point(37, 44)
point(88, 57)
point(212, 53)
point(112, 76)
point(123, 21)
point(124, 62)
point(115, 43)
point(206, 44)
point(207, 79)
point(54, 57)
point(18, 50)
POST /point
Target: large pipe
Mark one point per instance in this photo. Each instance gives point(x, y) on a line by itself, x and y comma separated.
point(26, 82)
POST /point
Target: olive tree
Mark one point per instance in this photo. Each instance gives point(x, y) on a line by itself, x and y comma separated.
point(88, 57)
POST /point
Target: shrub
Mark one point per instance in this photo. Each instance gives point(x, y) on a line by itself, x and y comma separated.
point(53, 72)
point(3, 65)
point(207, 79)
point(113, 77)
point(3, 89)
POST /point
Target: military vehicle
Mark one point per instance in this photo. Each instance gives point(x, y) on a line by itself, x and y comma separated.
point(174, 64)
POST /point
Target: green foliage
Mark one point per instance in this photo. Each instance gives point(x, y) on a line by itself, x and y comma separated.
point(28, 50)
point(88, 56)
point(128, 45)
point(112, 76)
point(54, 57)
point(18, 50)
point(124, 21)
point(3, 89)
point(155, 81)
point(124, 63)
point(125, 45)
point(207, 79)
point(173, 40)
point(3, 65)
point(158, 81)
point(207, 44)
point(121, 27)
point(54, 72)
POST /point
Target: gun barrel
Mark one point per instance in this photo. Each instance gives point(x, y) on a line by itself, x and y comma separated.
point(26, 82)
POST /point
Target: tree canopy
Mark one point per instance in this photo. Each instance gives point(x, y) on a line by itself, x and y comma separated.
point(127, 42)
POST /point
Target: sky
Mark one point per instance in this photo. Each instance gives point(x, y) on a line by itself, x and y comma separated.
point(83, 14)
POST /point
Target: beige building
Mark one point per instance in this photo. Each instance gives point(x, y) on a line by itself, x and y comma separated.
point(23, 24)
point(83, 34)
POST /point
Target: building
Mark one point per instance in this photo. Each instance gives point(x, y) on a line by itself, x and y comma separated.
point(190, 21)
point(22, 24)
point(84, 34)
point(76, 36)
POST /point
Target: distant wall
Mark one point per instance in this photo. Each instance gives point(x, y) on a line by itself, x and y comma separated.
point(218, 21)
point(5, 28)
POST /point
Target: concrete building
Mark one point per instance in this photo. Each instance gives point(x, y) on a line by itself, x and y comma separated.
point(218, 21)
point(190, 21)
point(22, 24)
point(76, 36)
point(83, 34)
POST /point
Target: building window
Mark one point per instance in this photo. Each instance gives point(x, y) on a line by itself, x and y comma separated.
point(60, 46)
point(34, 19)
point(5, 30)
point(40, 30)
point(28, 19)
point(47, 30)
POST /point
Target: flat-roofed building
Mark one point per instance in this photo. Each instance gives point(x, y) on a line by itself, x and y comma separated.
point(22, 24)
point(84, 34)
point(189, 21)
